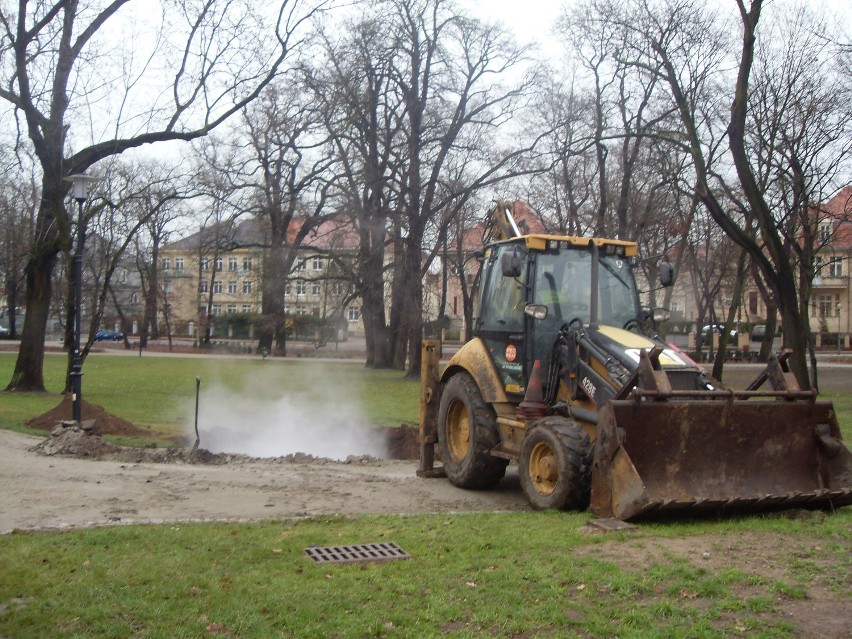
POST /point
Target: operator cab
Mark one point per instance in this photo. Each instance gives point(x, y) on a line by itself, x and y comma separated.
point(535, 285)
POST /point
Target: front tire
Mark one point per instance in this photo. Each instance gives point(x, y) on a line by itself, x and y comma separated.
point(467, 431)
point(555, 465)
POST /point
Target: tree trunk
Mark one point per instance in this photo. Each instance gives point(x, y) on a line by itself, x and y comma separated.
point(28, 375)
point(769, 334)
point(719, 362)
point(371, 254)
point(273, 330)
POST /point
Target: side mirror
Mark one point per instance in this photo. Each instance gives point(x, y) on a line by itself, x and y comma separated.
point(510, 264)
point(536, 311)
point(667, 274)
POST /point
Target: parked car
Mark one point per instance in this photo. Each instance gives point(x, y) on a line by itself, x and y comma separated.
point(757, 332)
point(717, 328)
point(103, 335)
point(4, 332)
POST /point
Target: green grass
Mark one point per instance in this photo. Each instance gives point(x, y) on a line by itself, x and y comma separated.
point(509, 575)
point(477, 575)
point(159, 392)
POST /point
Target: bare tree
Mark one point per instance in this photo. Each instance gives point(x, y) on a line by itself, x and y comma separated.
point(688, 46)
point(19, 196)
point(567, 190)
point(362, 116)
point(288, 179)
point(129, 201)
point(49, 53)
point(451, 104)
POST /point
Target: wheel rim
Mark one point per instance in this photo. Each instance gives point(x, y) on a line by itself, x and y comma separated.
point(458, 431)
point(543, 469)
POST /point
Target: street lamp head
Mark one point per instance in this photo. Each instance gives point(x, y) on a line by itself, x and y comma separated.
point(80, 185)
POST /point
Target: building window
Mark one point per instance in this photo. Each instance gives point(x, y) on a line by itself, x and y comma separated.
point(826, 306)
point(232, 308)
point(124, 276)
point(232, 287)
point(301, 266)
point(167, 286)
point(218, 263)
point(752, 302)
point(178, 263)
point(318, 263)
point(301, 287)
point(835, 267)
point(336, 288)
point(817, 266)
point(217, 286)
point(300, 310)
point(134, 298)
point(287, 290)
point(164, 264)
point(217, 310)
point(246, 308)
point(824, 233)
point(203, 287)
point(246, 263)
point(353, 314)
point(315, 311)
point(315, 288)
point(232, 264)
point(205, 265)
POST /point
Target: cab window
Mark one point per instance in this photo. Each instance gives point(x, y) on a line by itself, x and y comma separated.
point(504, 297)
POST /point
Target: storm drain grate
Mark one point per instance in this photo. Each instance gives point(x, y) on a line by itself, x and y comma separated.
point(385, 551)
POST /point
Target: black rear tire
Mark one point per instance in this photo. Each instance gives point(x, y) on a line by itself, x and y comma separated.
point(555, 465)
point(467, 431)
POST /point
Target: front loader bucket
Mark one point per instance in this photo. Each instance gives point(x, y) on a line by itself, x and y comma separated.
point(654, 456)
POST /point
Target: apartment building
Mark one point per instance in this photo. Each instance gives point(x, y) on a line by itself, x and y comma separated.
point(223, 276)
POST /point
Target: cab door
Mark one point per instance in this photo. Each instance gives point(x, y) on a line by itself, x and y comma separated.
point(502, 324)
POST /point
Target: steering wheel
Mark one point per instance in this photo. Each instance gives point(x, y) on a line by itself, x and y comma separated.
point(632, 325)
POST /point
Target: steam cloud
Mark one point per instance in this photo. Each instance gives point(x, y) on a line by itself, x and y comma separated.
point(266, 419)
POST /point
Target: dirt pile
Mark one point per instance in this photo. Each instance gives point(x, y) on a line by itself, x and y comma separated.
point(104, 423)
point(71, 439)
point(67, 438)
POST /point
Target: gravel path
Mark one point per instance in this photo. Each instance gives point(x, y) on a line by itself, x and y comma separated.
point(38, 491)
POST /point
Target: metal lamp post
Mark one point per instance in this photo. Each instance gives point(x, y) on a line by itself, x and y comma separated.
point(79, 191)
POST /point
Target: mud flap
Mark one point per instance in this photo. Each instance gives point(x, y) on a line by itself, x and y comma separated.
point(707, 455)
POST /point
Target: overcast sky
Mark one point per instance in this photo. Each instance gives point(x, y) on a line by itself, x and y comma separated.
point(529, 20)
point(532, 20)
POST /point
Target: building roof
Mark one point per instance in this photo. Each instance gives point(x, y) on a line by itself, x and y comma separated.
point(331, 233)
point(527, 219)
point(839, 210)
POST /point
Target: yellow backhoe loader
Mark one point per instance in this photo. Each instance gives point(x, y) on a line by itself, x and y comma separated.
point(565, 378)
